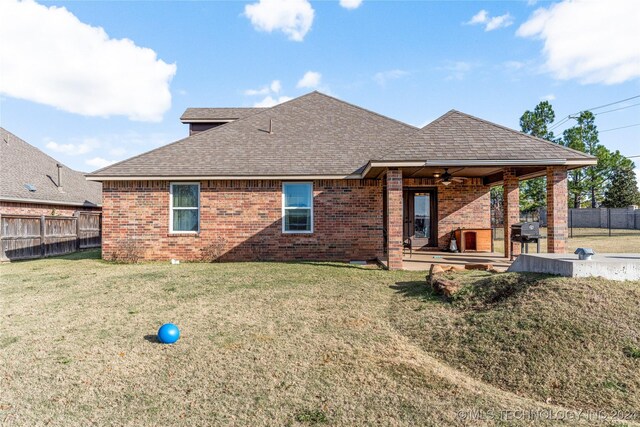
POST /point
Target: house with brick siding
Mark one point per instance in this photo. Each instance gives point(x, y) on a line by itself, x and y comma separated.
point(33, 183)
point(316, 178)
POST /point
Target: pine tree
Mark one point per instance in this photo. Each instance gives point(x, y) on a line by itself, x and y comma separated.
point(623, 190)
point(533, 192)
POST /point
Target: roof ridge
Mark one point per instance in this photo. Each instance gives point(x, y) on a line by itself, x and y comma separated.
point(33, 147)
point(521, 133)
point(438, 119)
point(264, 111)
point(359, 108)
point(227, 108)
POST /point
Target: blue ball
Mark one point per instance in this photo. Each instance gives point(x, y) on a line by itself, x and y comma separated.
point(168, 333)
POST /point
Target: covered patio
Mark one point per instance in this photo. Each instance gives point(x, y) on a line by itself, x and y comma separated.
point(440, 181)
point(463, 204)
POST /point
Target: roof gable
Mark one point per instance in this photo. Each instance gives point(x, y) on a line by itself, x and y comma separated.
point(460, 136)
point(22, 164)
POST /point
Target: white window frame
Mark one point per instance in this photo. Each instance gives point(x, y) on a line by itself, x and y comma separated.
point(284, 209)
point(171, 208)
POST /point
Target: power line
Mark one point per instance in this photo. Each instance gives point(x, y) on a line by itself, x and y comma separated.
point(617, 109)
point(621, 127)
point(613, 103)
point(560, 123)
point(568, 117)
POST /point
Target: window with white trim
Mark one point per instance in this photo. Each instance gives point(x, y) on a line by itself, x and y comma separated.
point(297, 207)
point(185, 207)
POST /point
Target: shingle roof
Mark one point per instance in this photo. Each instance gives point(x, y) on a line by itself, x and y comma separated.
point(314, 134)
point(21, 164)
point(460, 136)
point(218, 113)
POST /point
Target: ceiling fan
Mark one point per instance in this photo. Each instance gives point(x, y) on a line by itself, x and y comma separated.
point(446, 178)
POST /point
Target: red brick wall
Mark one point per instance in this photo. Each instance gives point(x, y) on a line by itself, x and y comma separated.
point(248, 215)
point(464, 204)
point(40, 209)
point(557, 225)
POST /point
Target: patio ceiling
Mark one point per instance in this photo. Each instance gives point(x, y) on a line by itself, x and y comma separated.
point(491, 175)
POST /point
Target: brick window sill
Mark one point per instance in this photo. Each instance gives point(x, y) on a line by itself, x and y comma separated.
point(183, 235)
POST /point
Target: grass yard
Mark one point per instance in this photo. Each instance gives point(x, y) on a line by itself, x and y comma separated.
point(620, 241)
point(309, 344)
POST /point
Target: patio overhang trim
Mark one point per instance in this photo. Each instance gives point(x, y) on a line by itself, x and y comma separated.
point(573, 163)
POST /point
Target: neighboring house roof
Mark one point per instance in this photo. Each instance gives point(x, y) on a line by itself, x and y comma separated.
point(318, 135)
point(314, 134)
point(460, 136)
point(217, 114)
point(22, 164)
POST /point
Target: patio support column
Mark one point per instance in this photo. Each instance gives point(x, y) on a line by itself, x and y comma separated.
point(557, 208)
point(394, 219)
point(511, 207)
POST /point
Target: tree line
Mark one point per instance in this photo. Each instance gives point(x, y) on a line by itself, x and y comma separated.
point(609, 183)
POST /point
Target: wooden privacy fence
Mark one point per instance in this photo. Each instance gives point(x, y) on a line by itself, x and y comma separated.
point(32, 236)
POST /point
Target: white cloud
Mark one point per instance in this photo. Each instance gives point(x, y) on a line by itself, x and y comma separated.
point(457, 70)
point(48, 56)
point(549, 97)
point(254, 92)
point(99, 162)
point(592, 41)
point(293, 17)
point(275, 86)
point(269, 101)
point(479, 18)
point(350, 4)
point(84, 147)
point(384, 76)
point(490, 23)
point(310, 80)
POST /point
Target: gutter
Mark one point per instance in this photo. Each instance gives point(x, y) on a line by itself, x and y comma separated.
point(371, 164)
point(49, 202)
point(220, 178)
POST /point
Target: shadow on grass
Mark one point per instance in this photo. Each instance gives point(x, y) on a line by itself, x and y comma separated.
point(416, 290)
point(372, 266)
point(152, 338)
point(80, 255)
point(492, 291)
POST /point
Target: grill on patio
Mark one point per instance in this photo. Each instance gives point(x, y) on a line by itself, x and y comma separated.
point(525, 233)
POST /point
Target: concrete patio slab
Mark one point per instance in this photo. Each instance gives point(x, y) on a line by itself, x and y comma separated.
point(609, 266)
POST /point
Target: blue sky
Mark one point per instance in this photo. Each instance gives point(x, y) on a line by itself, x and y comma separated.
point(88, 97)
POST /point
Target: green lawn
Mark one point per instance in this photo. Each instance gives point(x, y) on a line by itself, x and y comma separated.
point(304, 344)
